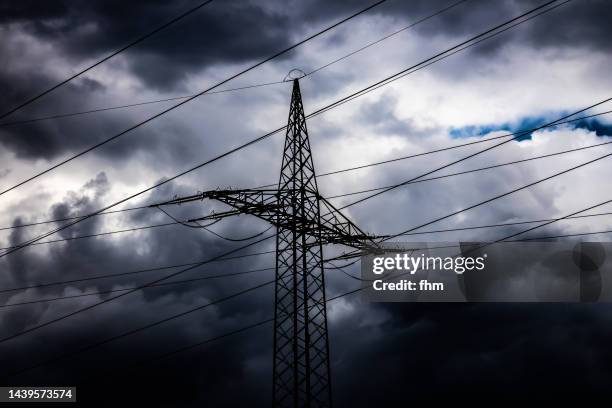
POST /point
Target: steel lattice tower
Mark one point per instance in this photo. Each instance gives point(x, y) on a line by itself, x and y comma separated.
point(301, 365)
point(301, 373)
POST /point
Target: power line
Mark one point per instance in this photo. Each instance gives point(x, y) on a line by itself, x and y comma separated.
point(104, 292)
point(31, 224)
point(339, 171)
point(134, 229)
point(561, 236)
point(410, 230)
point(230, 333)
point(247, 144)
point(507, 135)
point(438, 59)
point(350, 275)
point(260, 323)
point(59, 116)
point(99, 234)
point(158, 322)
point(163, 112)
point(185, 348)
point(308, 74)
point(203, 342)
point(505, 224)
point(543, 156)
point(111, 55)
point(134, 272)
point(205, 228)
point(428, 152)
point(499, 196)
point(555, 220)
point(469, 156)
point(336, 196)
point(131, 105)
point(110, 299)
point(394, 33)
point(571, 215)
point(148, 326)
point(548, 222)
point(444, 54)
point(177, 222)
point(194, 345)
point(267, 252)
point(458, 48)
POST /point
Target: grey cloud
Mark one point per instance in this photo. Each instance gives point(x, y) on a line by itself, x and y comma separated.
point(390, 351)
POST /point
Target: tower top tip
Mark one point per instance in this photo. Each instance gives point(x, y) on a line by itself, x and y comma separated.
point(294, 74)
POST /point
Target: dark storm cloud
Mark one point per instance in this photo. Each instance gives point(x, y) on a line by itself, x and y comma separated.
point(577, 24)
point(219, 34)
point(380, 353)
point(48, 139)
point(159, 247)
point(240, 31)
point(91, 257)
point(388, 349)
point(580, 23)
point(477, 350)
point(223, 32)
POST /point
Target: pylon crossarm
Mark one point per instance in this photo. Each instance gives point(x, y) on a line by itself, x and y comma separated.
point(265, 204)
point(249, 201)
point(347, 230)
point(261, 203)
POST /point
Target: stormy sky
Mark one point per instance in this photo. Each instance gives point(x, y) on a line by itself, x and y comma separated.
point(539, 71)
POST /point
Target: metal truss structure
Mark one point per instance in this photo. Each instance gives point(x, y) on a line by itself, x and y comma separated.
point(301, 366)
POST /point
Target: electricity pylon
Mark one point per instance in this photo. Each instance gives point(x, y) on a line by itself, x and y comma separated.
point(301, 368)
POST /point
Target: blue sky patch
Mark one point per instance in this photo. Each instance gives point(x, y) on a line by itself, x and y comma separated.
point(592, 124)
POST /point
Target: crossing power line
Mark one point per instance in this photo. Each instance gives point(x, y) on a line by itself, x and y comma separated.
point(142, 328)
point(339, 171)
point(503, 224)
point(163, 284)
point(390, 277)
point(253, 288)
point(496, 197)
point(92, 346)
point(111, 55)
point(135, 229)
point(507, 237)
point(132, 105)
point(448, 53)
point(127, 273)
point(191, 98)
point(237, 331)
point(267, 135)
point(133, 290)
point(326, 65)
point(156, 323)
point(71, 354)
point(518, 136)
point(423, 180)
point(494, 166)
